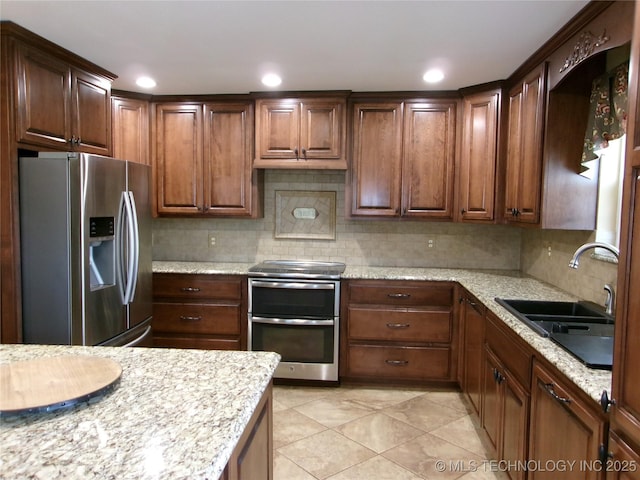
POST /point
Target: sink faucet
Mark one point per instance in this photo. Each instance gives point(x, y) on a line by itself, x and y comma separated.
point(575, 261)
point(610, 302)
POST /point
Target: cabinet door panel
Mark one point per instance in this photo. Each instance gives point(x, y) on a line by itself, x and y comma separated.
point(130, 120)
point(531, 169)
point(428, 160)
point(626, 388)
point(491, 406)
point(91, 105)
point(478, 157)
point(377, 159)
point(624, 463)
point(515, 420)
point(179, 158)
point(524, 148)
point(514, 151)
point(562, 429)
point(474, 334)
point(277, 127)
point(228, 153)
point(44, 89)
point(320, 130)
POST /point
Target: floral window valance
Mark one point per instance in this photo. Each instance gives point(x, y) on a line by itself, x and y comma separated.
point(608, 112)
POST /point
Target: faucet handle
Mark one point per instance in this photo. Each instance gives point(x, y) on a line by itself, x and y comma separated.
point(610, 301)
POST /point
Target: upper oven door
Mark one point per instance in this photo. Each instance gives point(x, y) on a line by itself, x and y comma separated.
point(281, 298)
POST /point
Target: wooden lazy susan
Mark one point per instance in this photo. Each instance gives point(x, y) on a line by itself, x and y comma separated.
point(49, 383)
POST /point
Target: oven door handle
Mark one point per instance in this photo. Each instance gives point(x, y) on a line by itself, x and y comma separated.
point(291, 321)
point(294, 285)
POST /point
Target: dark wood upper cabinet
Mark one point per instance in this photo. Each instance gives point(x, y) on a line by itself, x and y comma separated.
point(524, 148)
point(130, 129)
point(178, 158)
point(203, 155)
point(59, 106)
point(305, 133)
point(376, 160)
point(403, 158)
point(231, 187)
point(428, 159)
point(476, 182)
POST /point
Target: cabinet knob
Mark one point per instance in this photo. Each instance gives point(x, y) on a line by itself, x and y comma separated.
point(189, 318)
point(605, 401)
point(304, 153)
point(463, 211)
point(295, 151)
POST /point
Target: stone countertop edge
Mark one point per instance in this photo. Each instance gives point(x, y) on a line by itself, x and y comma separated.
point(174, 414)
point(486, 285)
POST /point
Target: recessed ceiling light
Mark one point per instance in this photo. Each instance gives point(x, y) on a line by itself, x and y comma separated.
point(146, 82)
point(271, 80)
point(433, 76)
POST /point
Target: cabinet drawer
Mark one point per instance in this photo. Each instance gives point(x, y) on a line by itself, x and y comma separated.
point(399, 362)
point(407, 324)
point(166, 341)
point(508, 349)
point(196, 318)
point(400, 293)
point(187, 286)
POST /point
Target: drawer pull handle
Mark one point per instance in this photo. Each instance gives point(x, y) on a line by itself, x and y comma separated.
point(190, 289)
point(549, 388)
point(190, 319)
point(398, 295)
point(398, 325)
point(397, 363)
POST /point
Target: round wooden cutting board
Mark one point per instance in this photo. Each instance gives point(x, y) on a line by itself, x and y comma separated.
point(49, 383)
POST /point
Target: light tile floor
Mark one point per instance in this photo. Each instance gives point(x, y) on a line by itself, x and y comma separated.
point(362, 433)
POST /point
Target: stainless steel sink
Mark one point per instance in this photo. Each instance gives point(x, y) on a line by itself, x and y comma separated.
point(581, 328)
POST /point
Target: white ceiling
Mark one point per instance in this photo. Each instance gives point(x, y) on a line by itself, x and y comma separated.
point(206, 47)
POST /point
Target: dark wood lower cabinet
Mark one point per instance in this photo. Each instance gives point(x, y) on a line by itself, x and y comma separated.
point(252, 459)
point(472, 317)
point(567, 430)
point(398, 331)
point(199, 311)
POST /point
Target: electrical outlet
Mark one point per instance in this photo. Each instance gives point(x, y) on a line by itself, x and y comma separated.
point(549, 250)
point(431, 243)
point(212, 240)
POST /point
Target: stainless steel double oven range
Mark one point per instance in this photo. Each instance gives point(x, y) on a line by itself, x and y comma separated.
point(294, 310)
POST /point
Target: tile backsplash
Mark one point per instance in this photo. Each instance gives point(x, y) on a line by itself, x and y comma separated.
point(586, 282)
point(357, 242)
point(384, 242)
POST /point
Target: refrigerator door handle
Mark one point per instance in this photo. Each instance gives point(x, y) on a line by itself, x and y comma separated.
point(121, 248)
point(133, 247)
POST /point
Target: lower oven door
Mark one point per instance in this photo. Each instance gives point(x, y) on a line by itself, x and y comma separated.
point(309, 348)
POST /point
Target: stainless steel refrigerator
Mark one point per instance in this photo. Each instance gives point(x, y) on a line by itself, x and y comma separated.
point(85, 229)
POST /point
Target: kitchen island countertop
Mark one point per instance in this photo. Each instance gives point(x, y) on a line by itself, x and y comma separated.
point(486, 285)
point(175, 414)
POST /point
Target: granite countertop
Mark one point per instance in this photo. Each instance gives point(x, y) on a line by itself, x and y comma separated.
point(175, 414)
point(484, 284)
